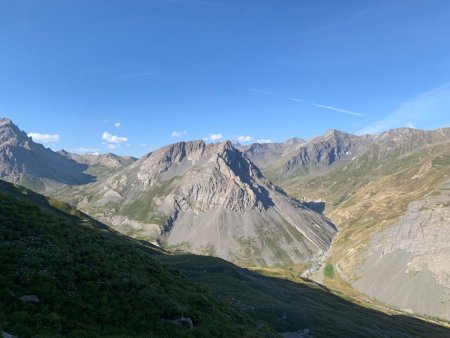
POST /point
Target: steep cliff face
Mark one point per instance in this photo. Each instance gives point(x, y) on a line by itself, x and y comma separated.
point(319, 155)
point(412, 256)
point(209, 199)
point(34, 166)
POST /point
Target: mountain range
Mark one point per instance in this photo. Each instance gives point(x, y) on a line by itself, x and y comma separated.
point(207, 199)
point(361, 214)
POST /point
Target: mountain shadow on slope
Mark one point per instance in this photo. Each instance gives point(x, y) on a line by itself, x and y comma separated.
point(299, 307)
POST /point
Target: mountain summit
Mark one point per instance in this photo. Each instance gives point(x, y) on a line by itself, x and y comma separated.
point(209, 199)
point(31, 164)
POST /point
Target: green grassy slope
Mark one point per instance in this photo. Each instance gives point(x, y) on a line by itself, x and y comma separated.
point(93, 282)
point(290, 303)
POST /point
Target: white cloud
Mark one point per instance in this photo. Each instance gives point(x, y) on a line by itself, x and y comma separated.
point(264, 141)
point(242, 139)
point(410, 125)
point(110, 138)
point(178, 134)
point(117, 124)
point(44, 138)
point(430, 109)
point(213, 137)
point(311, 103)
point(111, 146)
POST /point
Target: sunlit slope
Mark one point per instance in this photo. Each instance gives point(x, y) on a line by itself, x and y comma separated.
point(374, 193)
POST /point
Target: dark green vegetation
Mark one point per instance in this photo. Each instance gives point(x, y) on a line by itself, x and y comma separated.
point(291, 303)
point(329, 271)
point(93, 282)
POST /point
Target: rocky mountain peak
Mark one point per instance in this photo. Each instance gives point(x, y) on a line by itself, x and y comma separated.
point(294, 141)
point(4, 121)
point(210, 199)
point(10, 134)
point(31, 164)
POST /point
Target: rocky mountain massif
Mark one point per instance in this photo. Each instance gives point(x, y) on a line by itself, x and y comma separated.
point(296, 158)
point(207, 199)
point(390, 206)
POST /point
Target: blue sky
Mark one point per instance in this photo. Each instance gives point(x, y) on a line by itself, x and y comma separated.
point(170, 70)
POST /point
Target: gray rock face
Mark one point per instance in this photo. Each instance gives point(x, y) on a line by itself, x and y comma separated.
point(266, 154)
point(108, 161)
point(322, 152)
point(215, 202)
point(408, 265)
point(296, 158)
point(34, 166)
point(102, 165)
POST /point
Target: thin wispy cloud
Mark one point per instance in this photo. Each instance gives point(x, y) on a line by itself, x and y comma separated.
point(311, 103)
point(178, 134)
point(432, 105)
point(264, 141)
point(340, 110)
point(352, 18)
point(44, 138)
point(117, 124)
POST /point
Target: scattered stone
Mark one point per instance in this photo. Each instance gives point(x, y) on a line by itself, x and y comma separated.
point(303, 333)
point(182, 321)
point(30, 299)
